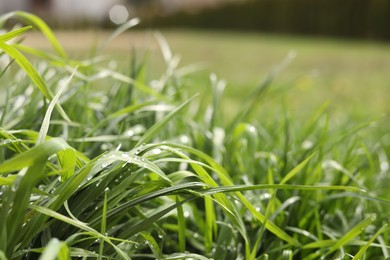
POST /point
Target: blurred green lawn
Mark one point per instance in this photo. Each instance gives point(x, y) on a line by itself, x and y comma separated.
point(354, 75)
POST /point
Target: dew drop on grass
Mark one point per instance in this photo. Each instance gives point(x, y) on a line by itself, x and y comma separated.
point(307, 144)
point(186, 214)
point(184, 139)
point(125, 156)
point(196, 235)
point(156, 151)
point(7, 141)
point(106, 189)
point(104, 165)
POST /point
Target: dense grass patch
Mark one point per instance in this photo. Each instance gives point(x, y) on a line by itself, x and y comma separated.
point(99, 162)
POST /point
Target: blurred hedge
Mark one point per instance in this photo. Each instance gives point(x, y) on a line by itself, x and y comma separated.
point(341, 18)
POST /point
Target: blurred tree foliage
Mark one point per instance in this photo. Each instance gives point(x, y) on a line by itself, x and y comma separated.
point(369, 19)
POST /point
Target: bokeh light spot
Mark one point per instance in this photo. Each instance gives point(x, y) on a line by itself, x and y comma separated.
point(118, 14)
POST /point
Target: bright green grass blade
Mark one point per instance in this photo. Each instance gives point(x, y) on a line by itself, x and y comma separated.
point(38, 153)
point(182, 226)
point(235, 188)
point(13, 34)
point(22, 189)
point(363, 249)
point(55, 60)
point(103, 224)
point(152, 244)
point(210, 224)
point(296, 169)
point(355, 231)
point(46, 120)
point(28, 68)
point(32, 73)
point(39, 24)
point(55, 249)
point(159, 125)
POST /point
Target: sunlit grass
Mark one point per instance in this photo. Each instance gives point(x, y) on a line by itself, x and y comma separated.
point(97, 162)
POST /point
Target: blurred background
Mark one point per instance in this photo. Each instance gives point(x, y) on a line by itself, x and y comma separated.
point(342, 47)
point(347, 18)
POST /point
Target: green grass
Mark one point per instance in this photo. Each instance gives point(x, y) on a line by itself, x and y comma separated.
point(106, 163)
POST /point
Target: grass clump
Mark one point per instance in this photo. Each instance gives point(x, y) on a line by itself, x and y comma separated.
point(96, 163)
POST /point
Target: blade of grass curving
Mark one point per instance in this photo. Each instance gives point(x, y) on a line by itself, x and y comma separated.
point(355, 231)
point(152, 244)
point(46, 120)
point(33, 155)
point(118, 31)
point(159, 125)
point(235, 188)
point(164, 46)
point(55, 249)
point(32, 73)
point(363, 249)
point(22, 187)
point(39, 24)
point(296, 169)
point(78, 224)
point(13, 34)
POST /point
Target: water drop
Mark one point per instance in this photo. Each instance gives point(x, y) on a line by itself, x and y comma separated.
point(107, 189)
point(156, 151)
point(258, 209)
point(104, 165)
point(186, 214)
point(130, 133)
point(196, 235)
point(142, 159)
point(7, 141)
point(184, 139)
point(125, 156)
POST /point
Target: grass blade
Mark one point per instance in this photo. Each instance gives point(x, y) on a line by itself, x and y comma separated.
point(159, 125)
point(13, 34)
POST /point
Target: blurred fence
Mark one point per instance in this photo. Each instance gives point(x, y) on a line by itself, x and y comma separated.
point(341, 18)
